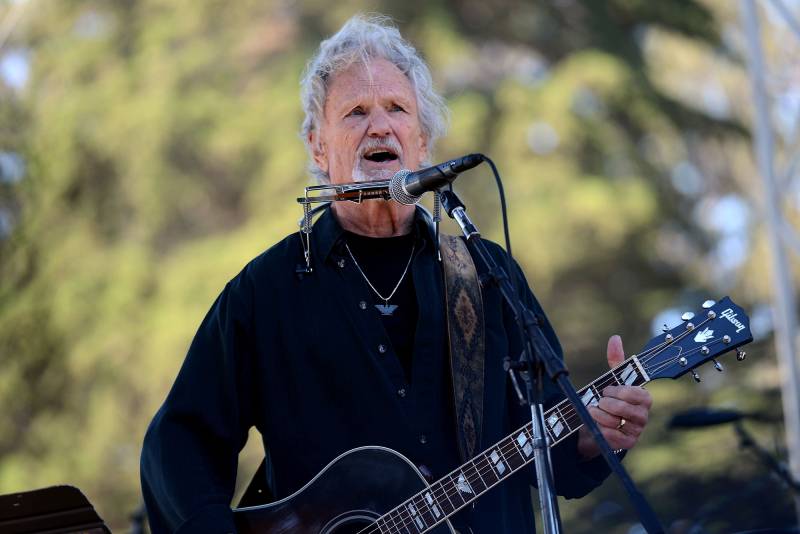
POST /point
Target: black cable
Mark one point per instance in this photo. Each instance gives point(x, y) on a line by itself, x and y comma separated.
point(502, 196)
point(504, 211)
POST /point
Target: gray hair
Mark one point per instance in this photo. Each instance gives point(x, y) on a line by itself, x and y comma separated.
point(363, 38)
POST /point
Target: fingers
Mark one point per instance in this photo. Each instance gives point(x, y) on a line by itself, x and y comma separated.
point(629, 394)
point(632, 413)
point(618, 438)
point(615, 354)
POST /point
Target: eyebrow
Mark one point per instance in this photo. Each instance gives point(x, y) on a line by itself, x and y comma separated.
point(355, 101)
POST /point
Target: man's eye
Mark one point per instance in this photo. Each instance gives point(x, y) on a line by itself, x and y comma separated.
point(397, 107)
point(355, 111)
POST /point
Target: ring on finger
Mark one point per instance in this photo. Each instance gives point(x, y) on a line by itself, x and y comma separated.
point(622, 422)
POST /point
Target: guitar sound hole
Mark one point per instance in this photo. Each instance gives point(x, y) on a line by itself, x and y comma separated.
point(351, 525)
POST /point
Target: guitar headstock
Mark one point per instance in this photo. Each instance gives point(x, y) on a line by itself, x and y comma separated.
point(704, 335)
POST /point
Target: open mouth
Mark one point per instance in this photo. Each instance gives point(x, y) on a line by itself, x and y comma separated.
point(380, 155)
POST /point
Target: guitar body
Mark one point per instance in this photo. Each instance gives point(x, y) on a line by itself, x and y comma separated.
point(368, 484)
point(346, 497)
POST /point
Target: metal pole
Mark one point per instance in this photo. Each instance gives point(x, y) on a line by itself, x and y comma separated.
point(783, 298)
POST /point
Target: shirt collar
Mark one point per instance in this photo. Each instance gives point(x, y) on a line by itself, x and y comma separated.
point(327, 235)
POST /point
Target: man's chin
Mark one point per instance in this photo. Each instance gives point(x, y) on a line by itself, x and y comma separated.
point(374, 175)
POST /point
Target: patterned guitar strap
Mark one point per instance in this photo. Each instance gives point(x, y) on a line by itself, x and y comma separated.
point(467, 344)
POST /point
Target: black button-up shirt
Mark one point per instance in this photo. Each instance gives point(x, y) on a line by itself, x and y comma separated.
point(305, 362)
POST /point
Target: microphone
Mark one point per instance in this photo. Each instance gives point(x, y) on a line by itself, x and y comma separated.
point(407, 187)
point(700, 417)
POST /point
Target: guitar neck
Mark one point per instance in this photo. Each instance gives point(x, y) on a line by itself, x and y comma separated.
point(456, 490)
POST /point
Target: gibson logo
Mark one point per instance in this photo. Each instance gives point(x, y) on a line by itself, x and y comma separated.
point(730, 316)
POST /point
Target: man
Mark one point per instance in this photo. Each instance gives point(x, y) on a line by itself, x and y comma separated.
point(355, 353)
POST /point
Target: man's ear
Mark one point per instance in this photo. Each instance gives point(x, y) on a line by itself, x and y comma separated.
point(318, 151)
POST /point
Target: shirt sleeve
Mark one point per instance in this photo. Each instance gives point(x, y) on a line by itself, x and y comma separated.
point(190, 452)
point(573, 476)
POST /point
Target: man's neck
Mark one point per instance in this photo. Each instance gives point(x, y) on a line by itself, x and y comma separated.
point(375, 218)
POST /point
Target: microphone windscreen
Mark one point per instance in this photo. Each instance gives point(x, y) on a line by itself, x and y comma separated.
point(397, 190)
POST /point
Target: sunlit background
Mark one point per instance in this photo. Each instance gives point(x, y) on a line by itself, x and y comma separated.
point(149, 149)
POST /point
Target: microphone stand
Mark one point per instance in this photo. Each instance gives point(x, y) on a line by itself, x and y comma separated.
point(539, 357)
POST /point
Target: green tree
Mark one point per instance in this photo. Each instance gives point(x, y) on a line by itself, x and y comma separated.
point(156, 135)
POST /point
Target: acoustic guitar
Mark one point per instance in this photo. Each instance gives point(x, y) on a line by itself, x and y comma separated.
point(375, 490)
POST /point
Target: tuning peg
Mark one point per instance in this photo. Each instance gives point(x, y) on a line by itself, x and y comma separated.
point(696, 376)
point(665, 328)
point(688, 316)
point(718, 366)
point(707, 304)
point(740, 355)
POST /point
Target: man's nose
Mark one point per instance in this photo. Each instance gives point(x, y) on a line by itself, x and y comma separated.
point(379, 124)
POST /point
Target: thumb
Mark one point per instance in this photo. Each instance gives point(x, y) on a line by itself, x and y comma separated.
point(614, 352)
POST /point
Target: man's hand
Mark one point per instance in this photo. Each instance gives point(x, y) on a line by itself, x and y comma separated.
point(621, 414)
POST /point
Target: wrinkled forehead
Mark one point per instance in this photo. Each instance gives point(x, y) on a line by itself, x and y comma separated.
point(376, 78)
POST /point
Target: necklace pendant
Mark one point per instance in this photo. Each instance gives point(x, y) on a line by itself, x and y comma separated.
point(386, 309)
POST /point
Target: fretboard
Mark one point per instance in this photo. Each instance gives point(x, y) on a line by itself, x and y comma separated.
point(456, 490)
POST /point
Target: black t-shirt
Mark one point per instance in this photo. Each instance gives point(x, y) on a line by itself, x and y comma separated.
point(383, 261)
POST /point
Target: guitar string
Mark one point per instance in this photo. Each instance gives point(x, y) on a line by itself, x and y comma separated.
point(505, 446)
point(406, 516)
point(401, 512)
point(568, 418)
point(644, 357)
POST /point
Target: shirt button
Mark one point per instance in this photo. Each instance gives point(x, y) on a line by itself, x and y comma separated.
point(381, 348)
point(340, 263)
point(362, 305)
point(401, 392)
point(423, 439)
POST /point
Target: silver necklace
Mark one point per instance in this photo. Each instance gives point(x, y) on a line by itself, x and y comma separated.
point(386, 308)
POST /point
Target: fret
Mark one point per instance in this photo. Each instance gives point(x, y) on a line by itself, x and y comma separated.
point(567, 411)
point(512, 455)
point(524, 445)
point(461, 490)
point(588, 396)
point(423, 506)
point(630, 374)
point(556, 424)
point(498, 463)
point(433, 505)
point(385, 527)
point(443, 498)
point(487, 469)
point(645, 376)
point(616, 378)
point(424, 510)
point(477, 482)
point(564, 418)
point(465, 486)
point(415, 516)
point(397, 523)
point(447, 505)
point(390, 520)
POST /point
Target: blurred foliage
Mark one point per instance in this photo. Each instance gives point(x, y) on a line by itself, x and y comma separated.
point(160, 150)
